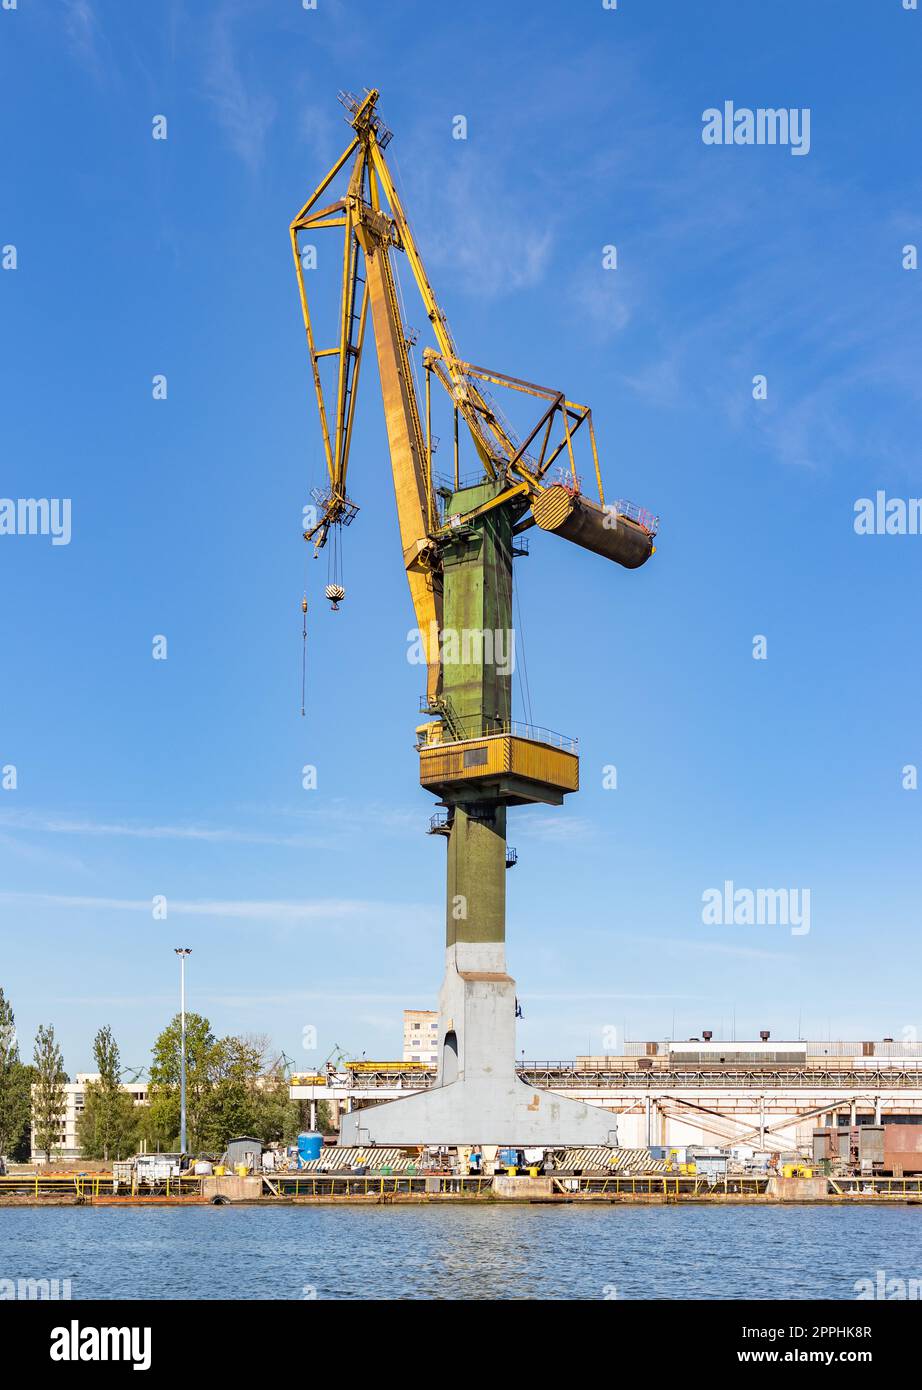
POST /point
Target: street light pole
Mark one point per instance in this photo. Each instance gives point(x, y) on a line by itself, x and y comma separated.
point(182, 952)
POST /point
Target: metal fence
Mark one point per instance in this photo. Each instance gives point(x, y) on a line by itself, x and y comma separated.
point(396, 1184)
point(92, 1185)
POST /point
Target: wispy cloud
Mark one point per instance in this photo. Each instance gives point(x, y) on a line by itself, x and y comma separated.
point(35, 854)
point(319, 826)
point(324, 996)
point(324, 136)
point(243, 113)
point(717, 948)
point(604, 299)
point(589, 995)
point(808, 289)
point(551, 829)
point(473, 226)
point(81, 29)
point(820, 338)
point(65, 825)
point(268, 910)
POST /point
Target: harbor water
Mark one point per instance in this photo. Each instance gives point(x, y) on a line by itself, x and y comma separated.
point(464, 1252)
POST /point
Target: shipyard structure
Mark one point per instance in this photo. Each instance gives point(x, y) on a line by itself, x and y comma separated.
point(765, 1096)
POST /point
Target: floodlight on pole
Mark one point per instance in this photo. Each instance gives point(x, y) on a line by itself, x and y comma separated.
point(182, 952)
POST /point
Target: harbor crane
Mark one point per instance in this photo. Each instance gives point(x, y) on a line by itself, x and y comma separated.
point(458, 538)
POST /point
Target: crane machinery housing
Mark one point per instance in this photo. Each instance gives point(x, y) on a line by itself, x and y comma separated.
point(458, 539)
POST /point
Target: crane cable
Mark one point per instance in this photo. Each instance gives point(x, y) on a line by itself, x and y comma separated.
point(524, 690)
point(481, 389)
point(303, 653)
point(512, 596)
point(398, 181)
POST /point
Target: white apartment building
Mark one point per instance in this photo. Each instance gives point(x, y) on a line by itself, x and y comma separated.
point(66, 1145)
point(420, 1033)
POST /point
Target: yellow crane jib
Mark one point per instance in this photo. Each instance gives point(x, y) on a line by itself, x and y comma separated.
point(374, 227)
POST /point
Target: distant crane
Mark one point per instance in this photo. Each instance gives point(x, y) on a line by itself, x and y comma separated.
point(282, 1065)
point(336, 1057)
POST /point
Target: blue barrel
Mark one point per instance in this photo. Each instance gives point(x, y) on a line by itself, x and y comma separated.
point(309, 1146)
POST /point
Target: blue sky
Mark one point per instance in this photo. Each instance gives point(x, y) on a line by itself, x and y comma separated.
point(183, 777)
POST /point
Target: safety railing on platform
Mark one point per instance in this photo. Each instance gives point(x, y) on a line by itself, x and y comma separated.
point(87, 1185)
point(661, 1185)
point(500, 728)
point(876, 1187)
point(640, 515)
point(396, 1184)
point(776, 1078)
point(100, 1187)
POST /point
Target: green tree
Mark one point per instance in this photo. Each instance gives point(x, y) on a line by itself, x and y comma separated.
point(15, 1093)
point(323, 1117)
point(232, 1103)
point(48, 1095)
point(107, 1127)
point(161, 1126)
point(26, 1078)
point(228, 1090)
point(158, 1121)
point(278, 1119)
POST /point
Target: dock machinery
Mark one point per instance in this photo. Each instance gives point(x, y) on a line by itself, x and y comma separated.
point(458, 541)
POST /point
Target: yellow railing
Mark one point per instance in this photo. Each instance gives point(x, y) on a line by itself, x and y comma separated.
point(281, 1185)
point(662, 1185)
point(93, 1185)
point(873, 1187)
point(395, 1184)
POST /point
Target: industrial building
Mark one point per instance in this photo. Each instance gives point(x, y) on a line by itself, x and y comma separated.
point(420, 1036)
point(762, 1094)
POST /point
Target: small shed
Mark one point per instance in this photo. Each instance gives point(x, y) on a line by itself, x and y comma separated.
point(246, 1149)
